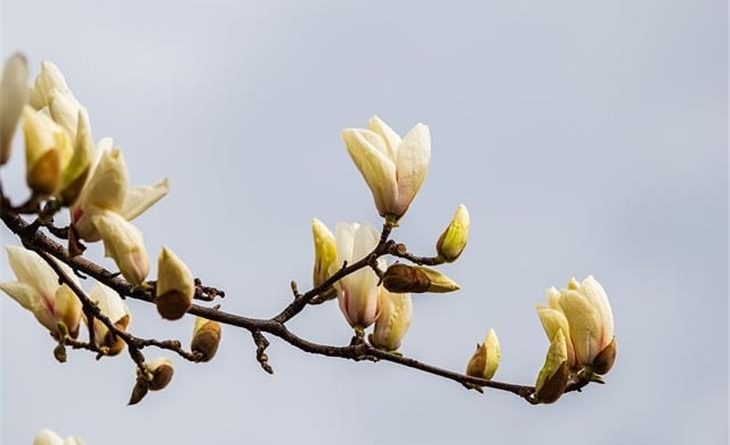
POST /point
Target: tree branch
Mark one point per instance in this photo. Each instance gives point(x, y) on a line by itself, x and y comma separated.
point(48, 249)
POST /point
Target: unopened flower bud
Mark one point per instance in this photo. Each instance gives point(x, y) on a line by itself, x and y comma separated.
point(325, 254)
point(485, 361)
point(124, 244)
point(47, 151)
point(206, 337)
point(13, 97)
point(453, 240)
point(553, 377)
point(605, 359)
point(402, 278)
point(160, 373)
point(394, 320)
point(175, 286)
point(48, 437)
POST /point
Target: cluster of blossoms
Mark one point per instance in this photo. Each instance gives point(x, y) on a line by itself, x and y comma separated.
point(66, 167)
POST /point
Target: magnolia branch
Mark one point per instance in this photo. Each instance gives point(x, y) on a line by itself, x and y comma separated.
point(358, 350)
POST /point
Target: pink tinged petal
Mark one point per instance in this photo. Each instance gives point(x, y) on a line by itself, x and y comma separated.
point(32, 270)
point(585, 325)
point(414, 155)
point(139, 199)
point(595, 293)
point(368, 151)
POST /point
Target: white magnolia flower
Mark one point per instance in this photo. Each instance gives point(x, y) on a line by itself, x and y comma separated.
point(107, 189)
point(48, 437)
point(583, 313)
point(38, 291)
point(393, 168)
point(357, 292)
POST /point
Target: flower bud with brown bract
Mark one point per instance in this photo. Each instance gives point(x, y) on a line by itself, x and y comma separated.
point(175, 286)
point(554, 375)
point(160, 373)
point(206, 337)
point(605, 359)
point(402, 278)
point(485, 361)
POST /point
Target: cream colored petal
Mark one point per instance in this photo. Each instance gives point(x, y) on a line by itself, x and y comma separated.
point(124, 243)
point(325, 251)
point(109, 183)
point(47, 437)
point(67, 308)
point(391, 138)
point(595, 293)
point(83, 155)
point(344, 240)
point(48, 83)
point(174, 275)
point(31, 269)
point(396, 311)
point(109, 301)
point(553, 298)
point(493, 354)
point(414, 155)
point(554, 320)
point(585, 325)
point(367, 150)
point(64, 110)
point(13, 97)
point(142, 198)
point(24, 294)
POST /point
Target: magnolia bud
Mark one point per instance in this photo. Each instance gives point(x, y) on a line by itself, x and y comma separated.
point(553, 377)
point(325, 254)
point(206, 337)
point(47, 151)
point(485, 361)
point(175, 286)
point(605, 359)
point(111, 306)
point(394, 320)
point(453, 240)
point(123, 242)
point(402, 278)
point(13, 97)
point(160, 373)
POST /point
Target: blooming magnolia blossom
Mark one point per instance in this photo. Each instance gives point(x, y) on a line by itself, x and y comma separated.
point(357, 292)
point(13, 97)
point(107, 188)
point(393, 168)
point(583, 313)
point(38, 291)
point(111, 305)
point(48, 437)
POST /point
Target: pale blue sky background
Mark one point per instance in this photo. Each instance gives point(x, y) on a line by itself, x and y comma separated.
point(585, 137)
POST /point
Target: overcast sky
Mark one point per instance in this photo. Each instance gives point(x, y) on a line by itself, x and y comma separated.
point(585, 137)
